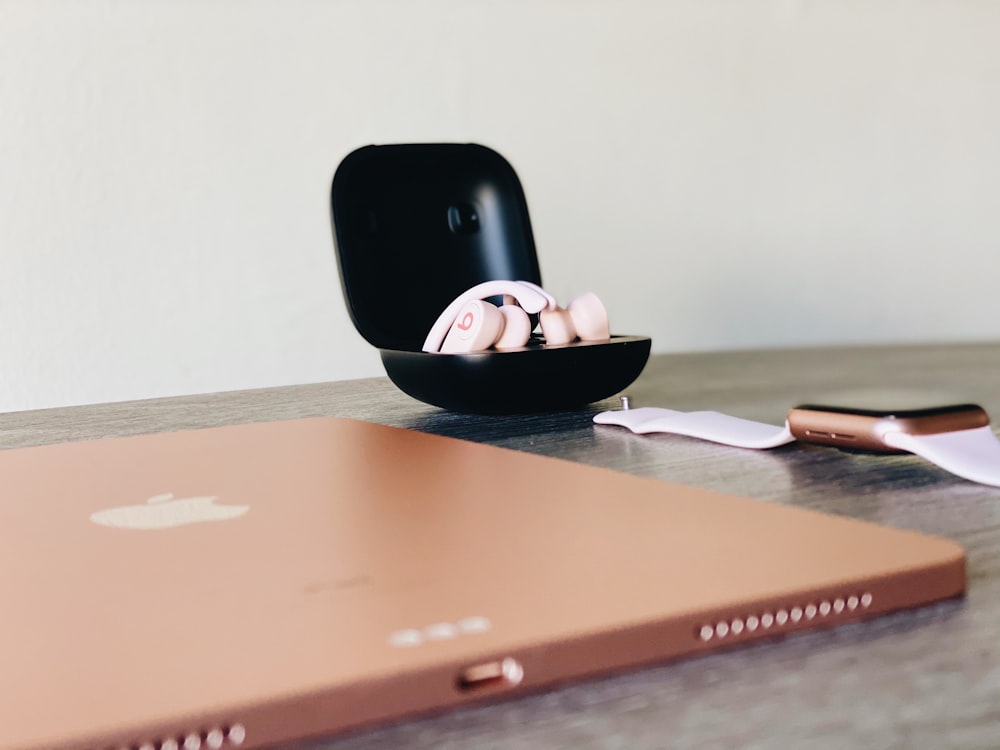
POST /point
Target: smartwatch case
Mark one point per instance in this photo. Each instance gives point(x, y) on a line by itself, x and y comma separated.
point(414, 226)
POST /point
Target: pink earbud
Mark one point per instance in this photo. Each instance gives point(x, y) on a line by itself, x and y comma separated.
point(470, 324)
point(584, 318)
point(590, 317)
point(477, 326)
point(516, 328)
point(477, 323)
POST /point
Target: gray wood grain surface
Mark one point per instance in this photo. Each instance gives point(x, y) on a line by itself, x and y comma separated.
point(922, 679)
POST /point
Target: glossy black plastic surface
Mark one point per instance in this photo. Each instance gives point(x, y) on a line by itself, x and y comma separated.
point(414, 226)
point(534, 379)
point(417, 225)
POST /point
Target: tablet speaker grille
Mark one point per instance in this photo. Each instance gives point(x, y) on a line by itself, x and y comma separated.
point(217, 738)
point(776, 620)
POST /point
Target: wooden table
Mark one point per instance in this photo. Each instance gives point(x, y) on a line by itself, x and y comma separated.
point(921, 679)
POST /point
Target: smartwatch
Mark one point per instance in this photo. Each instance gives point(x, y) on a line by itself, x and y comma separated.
point(956, 437)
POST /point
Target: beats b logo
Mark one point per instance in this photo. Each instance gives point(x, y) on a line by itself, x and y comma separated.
point(467, 320)
point(475, 328)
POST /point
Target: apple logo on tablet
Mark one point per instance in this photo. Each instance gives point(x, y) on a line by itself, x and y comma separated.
point(166, 512)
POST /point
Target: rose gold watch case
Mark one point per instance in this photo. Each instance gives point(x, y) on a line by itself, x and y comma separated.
point(302, 578)
point(864, 430)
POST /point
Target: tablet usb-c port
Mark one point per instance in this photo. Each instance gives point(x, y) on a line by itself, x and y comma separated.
point(506, 672)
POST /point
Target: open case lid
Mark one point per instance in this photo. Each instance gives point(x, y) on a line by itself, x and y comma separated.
point(414, 226)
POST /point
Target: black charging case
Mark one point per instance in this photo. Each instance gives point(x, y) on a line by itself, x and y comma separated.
point(414, 226)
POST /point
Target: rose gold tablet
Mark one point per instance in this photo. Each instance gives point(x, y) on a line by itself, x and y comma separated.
point(252, 585)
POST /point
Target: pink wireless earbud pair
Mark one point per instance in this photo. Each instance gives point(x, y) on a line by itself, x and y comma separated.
point(469, 324)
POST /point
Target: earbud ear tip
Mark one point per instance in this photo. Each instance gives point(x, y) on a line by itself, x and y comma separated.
point(516, 328)
point(557, 326)
point(590, 317)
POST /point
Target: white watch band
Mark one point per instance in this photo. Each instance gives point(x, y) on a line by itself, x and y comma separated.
point(706, 425)
point(971, 454)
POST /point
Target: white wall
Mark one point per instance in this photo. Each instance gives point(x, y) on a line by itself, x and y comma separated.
point(725, 174)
